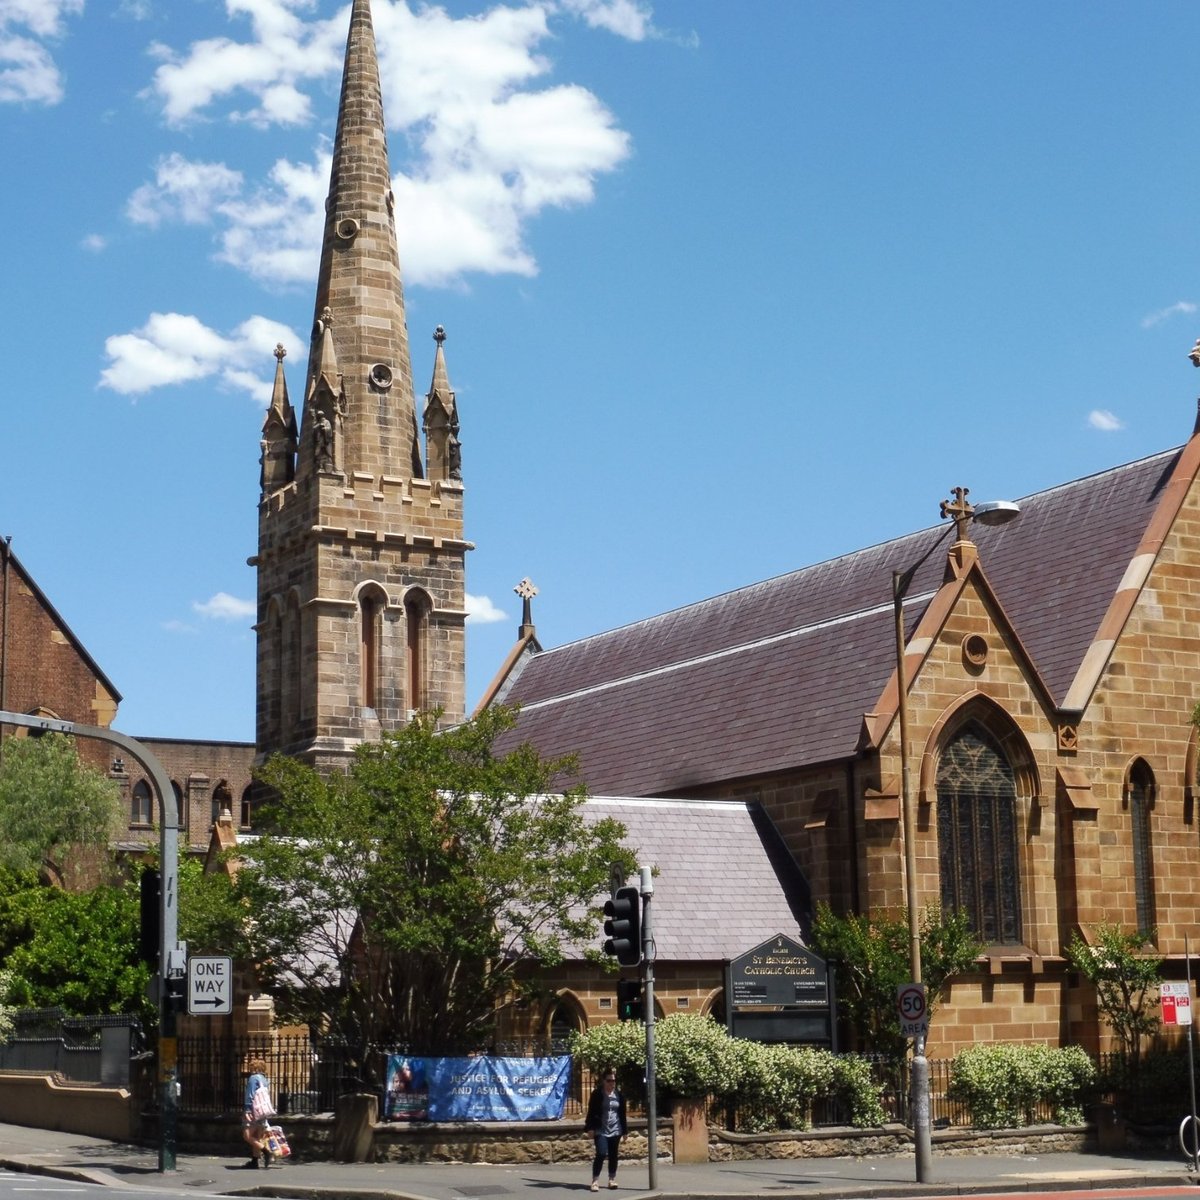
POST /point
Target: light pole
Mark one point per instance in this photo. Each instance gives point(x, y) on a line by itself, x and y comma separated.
point(996, 512)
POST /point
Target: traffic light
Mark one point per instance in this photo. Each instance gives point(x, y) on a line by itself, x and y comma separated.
point(176, 992)
point(629, 1000)
point(622, 927)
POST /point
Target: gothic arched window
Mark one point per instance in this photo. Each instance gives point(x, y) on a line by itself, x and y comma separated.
point(141, 806)
point(247, 814)
point(180, 808)
point(977, 835)
point(370, 617)
point(1140, 792)
point(221, 799)
point(416, 623)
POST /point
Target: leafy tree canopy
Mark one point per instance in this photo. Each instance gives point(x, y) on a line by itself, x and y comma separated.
point(872, 960)
point(409, 895)
point(51, 802)
point(73, 950)
point(1126, 972)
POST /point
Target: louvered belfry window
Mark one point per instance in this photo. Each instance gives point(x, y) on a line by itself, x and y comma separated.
point(977, 835)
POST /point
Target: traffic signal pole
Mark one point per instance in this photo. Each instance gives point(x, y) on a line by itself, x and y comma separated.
point(170, 951)
point(646, 875)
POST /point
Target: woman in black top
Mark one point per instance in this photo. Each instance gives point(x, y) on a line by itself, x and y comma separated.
point(607, 1125)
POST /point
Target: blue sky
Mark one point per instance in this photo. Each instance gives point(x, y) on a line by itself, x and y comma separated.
point(729, 288)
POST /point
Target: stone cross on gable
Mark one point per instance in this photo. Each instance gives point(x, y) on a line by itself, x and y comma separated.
point(526, 590)
point(961, 510)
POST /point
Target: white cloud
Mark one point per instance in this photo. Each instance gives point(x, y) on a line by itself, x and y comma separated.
point(1179, 308)
point(488, 148)
point(224, 607)
point(625, 18)
point(175, 626)
point(95, 242)
point(172, 349)
point(481, 611)
point(1102, 419)
point(285, 49)
point(28, 72)
point(183, 190)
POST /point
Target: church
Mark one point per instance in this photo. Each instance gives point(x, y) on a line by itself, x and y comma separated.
point(1024, 690)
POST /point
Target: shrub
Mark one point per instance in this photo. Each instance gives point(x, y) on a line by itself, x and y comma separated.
point(1001, 1085)
point(773, 1087)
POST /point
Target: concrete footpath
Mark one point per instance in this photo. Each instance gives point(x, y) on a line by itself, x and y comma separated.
point(94, 1160)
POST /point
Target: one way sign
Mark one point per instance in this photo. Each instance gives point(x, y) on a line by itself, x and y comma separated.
point(210, 985)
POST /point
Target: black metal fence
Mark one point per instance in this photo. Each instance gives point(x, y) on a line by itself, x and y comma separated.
point(95, 1049)
point(306, 1076)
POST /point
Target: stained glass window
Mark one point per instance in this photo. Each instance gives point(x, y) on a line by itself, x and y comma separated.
point(977, 835)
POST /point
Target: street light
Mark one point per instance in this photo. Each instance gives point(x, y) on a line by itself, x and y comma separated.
point(993, 512)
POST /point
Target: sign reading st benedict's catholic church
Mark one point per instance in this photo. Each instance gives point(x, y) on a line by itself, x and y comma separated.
point(781, 992)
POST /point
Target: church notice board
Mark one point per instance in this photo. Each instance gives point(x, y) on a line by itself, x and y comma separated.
point(781, 992)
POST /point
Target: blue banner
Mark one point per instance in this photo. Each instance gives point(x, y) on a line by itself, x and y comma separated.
point(481, 1088)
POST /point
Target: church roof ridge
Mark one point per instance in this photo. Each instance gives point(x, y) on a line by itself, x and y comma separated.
point(937, 528)
point(780, 673)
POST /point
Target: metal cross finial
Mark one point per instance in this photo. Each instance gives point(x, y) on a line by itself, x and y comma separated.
point(439, 336)
point(961, 510)
point(280, 352)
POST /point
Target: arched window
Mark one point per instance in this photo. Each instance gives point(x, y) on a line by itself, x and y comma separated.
point(977, 835)
point(141, 804)
point(370, 621)
point(1140, 793)
point(180, 807)
point(247, 814)
point(416, 622)
point(222, 799)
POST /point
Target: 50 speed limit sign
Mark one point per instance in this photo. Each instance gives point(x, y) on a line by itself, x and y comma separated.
point(912, 1009)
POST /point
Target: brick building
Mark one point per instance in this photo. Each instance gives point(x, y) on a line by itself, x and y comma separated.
point(46, 670)
point(1052, 666)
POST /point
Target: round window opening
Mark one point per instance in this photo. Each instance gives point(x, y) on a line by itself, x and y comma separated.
point(347, 229)
point(381, 376)
point(975, 650)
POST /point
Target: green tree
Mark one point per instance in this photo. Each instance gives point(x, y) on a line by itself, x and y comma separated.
point(1126, 980)
point(411, 894)
point(871, 957)
point(51, 803)
point(73, 950)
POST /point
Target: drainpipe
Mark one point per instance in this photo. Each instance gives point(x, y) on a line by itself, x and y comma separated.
point(4, 555)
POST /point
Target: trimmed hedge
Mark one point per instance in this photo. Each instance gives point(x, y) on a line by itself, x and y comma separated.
point(1002, 1085)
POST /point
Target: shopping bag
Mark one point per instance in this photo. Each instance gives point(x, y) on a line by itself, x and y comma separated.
point(277, 1142)
point(260, 1103)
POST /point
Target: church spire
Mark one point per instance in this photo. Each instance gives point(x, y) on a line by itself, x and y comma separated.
point(278, 443)
point(359, 282)
point(442, 450)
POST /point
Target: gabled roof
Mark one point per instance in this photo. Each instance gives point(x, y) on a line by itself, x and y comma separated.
point(779, 675)
point(67, 632)
point(725, 880)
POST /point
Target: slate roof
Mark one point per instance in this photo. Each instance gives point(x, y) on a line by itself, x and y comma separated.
point(725, 882)
point(778, 675)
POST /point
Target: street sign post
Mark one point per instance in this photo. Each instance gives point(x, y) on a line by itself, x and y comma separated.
point(210, 985)
point(1176, 1003)
point(912, 1009)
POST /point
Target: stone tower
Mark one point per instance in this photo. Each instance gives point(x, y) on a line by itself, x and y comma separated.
point(360, 549)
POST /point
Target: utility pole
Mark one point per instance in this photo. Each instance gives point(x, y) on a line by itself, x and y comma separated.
point(172, 954)
point(646, 875)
